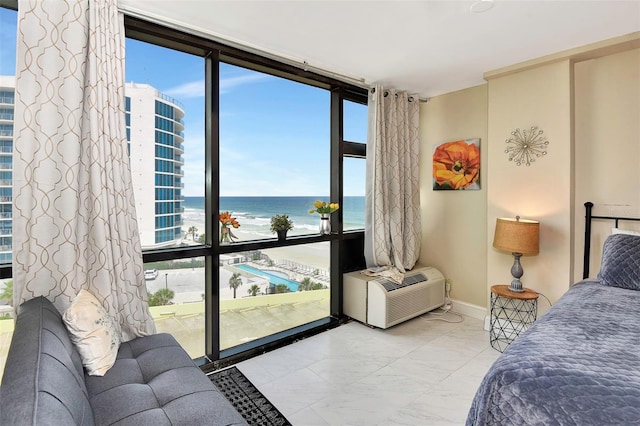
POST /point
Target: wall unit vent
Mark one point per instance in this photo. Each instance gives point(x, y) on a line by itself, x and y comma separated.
point(383, 303)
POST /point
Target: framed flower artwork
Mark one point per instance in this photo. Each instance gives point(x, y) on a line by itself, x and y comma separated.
point(456, 165)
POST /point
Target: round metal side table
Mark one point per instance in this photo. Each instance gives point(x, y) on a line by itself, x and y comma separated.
point(511, 314)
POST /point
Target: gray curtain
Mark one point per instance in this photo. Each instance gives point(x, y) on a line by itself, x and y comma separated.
point(392, 219)
point(74, 223)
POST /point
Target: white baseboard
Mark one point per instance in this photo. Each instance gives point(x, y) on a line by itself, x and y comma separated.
point(468, 309)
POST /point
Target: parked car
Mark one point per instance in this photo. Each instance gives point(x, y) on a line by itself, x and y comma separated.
point(150, 274)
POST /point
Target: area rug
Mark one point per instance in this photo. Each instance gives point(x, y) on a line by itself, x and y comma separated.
point(249, 401)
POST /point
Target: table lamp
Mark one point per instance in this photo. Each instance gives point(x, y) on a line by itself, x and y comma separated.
point(518, 237)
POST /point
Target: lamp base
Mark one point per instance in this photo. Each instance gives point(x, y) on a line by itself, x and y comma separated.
point(516, 273)
point(516, 286)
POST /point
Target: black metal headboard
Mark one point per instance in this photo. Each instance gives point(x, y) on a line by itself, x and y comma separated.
point(587, 233)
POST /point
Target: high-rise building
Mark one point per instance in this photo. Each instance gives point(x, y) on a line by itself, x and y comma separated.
point(155, 134)
point(7, 89)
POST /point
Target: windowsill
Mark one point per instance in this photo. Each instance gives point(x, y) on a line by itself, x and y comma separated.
point(272, 243)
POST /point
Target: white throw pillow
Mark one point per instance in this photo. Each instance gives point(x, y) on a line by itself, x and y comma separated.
point(624, 231)
point(93, 332)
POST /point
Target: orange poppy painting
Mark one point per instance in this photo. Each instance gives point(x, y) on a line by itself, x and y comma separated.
point(456, 165)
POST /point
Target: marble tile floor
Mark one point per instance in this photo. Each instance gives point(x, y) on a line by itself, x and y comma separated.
point(421, 372)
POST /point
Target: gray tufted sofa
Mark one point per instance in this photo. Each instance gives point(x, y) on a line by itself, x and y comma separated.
point(153, 382)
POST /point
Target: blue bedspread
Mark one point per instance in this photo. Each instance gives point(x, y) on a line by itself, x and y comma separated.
point(579, 364)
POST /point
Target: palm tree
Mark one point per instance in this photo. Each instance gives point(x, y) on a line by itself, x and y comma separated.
point(234, 282)
point(282, 288)
point(254, 290)
point(305, 284)
point(193, 231)
point(7, 292)
point(161, 297)
point(308, 285)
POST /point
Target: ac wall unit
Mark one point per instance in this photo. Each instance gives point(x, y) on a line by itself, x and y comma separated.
point(382, 303)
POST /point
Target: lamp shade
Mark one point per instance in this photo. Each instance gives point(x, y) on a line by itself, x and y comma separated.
point(516, 235)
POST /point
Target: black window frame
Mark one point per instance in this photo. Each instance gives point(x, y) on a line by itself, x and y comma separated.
point(347, 252)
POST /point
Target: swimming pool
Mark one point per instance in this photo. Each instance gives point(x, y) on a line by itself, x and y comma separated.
point(273, 278)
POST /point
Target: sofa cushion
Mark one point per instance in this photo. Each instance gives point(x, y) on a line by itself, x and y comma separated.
point(154, 381)
point(43, 381)
point(93, 332)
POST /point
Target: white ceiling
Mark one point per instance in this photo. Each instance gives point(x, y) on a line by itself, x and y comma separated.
point(425, 47)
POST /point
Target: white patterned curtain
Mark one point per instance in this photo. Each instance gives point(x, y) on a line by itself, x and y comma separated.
point(392, 219)
point(74, 224)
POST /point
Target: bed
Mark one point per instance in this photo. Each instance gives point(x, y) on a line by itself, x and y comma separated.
point(579, 364)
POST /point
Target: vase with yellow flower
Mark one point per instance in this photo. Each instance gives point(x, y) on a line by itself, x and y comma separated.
point(226, 223)
point(324, 209)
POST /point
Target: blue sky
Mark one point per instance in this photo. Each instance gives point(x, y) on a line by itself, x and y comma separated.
point(274, 133)
point(7, 41)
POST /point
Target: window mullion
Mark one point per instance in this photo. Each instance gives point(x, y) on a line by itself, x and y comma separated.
point(212, 202)
point(337, 151)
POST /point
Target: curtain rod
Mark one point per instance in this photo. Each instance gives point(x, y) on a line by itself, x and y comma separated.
point(411, 97)
point(196, 31)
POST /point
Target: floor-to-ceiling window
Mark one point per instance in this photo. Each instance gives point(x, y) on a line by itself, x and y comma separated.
point(273, 145)
point(275, 140)
point(165, 110)
point(212, 129)
point(354, 164)
point(8, 21)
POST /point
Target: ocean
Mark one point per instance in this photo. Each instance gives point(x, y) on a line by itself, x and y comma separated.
point(254, 213)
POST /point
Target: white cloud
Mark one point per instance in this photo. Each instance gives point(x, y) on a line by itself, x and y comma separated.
point(195, 89)
point(228, 83)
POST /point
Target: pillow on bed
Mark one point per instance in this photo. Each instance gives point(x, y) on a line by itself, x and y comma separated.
point(624, 231)
point(620, 265)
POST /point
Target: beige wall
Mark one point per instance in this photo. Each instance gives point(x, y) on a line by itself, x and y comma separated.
point(543, 191)
point(590, 113)
point(454, 222)
point(607, 134)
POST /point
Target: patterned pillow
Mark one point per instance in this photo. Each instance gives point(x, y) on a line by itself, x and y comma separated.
point(620, 265)
point(93, 332)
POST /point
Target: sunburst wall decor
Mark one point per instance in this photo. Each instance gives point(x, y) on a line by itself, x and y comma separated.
point(524, 146)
